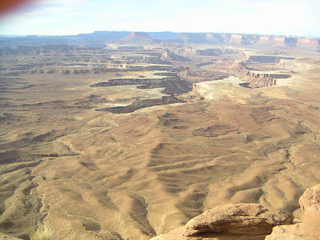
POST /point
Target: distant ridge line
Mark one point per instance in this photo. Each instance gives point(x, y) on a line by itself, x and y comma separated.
point(101, 38)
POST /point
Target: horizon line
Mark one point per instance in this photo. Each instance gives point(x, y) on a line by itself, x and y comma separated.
point(164, 31)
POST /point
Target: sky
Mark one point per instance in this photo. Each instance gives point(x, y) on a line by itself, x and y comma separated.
point(65, 17)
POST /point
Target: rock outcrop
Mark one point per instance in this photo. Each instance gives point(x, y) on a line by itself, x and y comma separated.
point(236, 219)
point(278, 41)
point(233, 221)
point(310, 200)
point(98, 39)
point(307, 43)
point(290, 232)
point(251, 221)
point(309, 227)
point(138, 37)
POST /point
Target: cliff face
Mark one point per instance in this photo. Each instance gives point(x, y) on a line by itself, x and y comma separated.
point(307, 43)
point(264, 40)
point(249, 40)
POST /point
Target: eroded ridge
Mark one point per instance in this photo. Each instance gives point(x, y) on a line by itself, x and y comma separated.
point(72, 172)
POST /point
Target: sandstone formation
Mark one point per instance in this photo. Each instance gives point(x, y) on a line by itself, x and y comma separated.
point(236, 219)
point(307, 43)
point(292, 232)
point(264, 40)
point(101, 38)
point(279, 41)
point(310, 200)
point(253, 221)
point(309, 227)
point(138, 37)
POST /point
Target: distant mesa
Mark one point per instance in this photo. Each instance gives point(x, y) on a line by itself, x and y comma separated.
point(138, 37)
point(307, 43)
point(279, 41)
point(101, 38)
point(264, 40)
point(193, 37)
point(248, 39)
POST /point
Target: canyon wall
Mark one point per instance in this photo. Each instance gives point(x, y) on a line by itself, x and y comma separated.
point(102, 38)
point(249, 40)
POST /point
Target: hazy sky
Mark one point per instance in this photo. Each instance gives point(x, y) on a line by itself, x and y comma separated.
point(289, 17)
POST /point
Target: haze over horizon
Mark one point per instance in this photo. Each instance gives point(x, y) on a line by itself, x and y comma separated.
point(67, 17)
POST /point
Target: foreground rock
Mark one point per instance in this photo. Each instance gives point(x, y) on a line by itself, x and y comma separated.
point(310, 199)
point(233, 221)
point(236, 219)
point(289, 232)
point(309, 228)
point(253, 222)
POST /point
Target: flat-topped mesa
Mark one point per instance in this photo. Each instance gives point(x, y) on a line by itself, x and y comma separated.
point(264, 40)
point(237, 39)
point(275, 41)
point(138, 37)
point(278, 41)
point(251, 39)
point(217, 38)
point(103, 38)
point(307, 43)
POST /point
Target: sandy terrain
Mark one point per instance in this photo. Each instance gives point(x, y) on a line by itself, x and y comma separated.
point(85, 174)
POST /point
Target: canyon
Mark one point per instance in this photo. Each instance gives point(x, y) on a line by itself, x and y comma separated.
point(115, 135)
